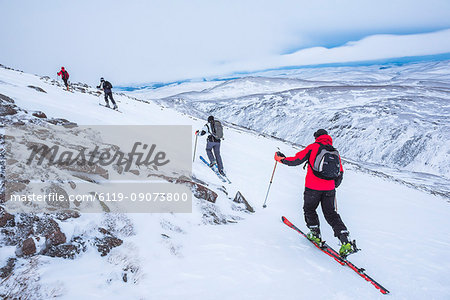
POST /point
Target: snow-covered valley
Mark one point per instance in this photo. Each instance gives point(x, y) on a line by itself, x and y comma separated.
point(222, 249)
point(389, 117)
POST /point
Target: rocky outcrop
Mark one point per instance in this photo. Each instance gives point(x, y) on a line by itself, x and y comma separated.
point(240, 199)
point(39, 114)
point(63, 251)
point(37, 88)
point(4, 98)
point(7, 110)
point(62, 122)
point(199, 191)
point(6, 219)
point(8, 268)
point(27, 248)
point(107, 242)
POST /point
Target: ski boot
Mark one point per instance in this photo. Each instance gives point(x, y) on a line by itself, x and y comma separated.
point(115, 107)
point(347, 247)
point(314, 234)
point(107, 105)
point(221, 172)
point(212, 164)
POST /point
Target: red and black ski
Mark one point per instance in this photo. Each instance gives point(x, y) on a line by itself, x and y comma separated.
point(343, 261)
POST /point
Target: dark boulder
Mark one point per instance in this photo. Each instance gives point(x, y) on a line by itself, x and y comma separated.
point(39, 114)
point(37, 88)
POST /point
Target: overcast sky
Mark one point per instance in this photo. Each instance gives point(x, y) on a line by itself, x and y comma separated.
point(130, 42)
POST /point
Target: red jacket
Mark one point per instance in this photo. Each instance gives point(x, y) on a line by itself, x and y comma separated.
point(313, 182)
point(63, 73)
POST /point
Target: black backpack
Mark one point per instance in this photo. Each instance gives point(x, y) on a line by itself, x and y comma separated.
point(108, 85)
point(327, 163)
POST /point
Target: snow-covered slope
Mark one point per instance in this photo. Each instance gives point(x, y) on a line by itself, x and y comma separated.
point(403, 231)
point(395, 116)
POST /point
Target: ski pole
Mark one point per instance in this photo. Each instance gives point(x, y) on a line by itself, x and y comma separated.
point(271, 179)
point(195, 147)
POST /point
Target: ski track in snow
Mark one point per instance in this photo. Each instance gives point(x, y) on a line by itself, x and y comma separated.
point(403, 231)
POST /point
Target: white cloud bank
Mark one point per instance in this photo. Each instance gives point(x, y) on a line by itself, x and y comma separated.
point(370, 48)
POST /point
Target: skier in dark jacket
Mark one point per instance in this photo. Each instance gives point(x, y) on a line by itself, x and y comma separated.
point(320, 191)
point(65, 77)
point(107, 86)
point(213, 144)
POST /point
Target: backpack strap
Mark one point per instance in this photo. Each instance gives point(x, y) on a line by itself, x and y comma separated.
point(307, 161)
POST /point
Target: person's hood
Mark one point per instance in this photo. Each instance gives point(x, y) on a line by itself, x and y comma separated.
point(324, 139)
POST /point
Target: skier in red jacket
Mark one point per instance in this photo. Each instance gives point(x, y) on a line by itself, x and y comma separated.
point(65, 76)
point(320, 191)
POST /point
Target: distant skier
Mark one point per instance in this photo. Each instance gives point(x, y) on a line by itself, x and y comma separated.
point(65, 77)
point(107, 86)
point(215, 130)
point(324, 174)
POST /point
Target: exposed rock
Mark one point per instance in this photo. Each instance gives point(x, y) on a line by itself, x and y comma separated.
point(212, 215)
point(72, 185)
point(204, 193)
point(200, 191)
point(7, 270)
point(83, 171)
point(39, 114)
point(63, 251)
point(85, 178)
point(37, 88)
point(28, 248)
point(55, 238)
point(33, 225)
point(13, 187)
point(239, 198)
point(7, 110)
point(69, 250)
point(62, 122)
point(105, 244)
point(6, 98)
point(57, 190)
point(135, 172)
point(66, 214)
point(6, 219)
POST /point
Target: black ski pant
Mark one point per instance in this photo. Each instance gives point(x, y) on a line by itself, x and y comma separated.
point(109, 94)
point(214, 146)
point(312, 198)
point(65, 82)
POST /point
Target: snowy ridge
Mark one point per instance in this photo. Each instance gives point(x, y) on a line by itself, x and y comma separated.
point(249, 256)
